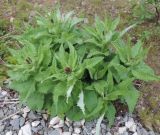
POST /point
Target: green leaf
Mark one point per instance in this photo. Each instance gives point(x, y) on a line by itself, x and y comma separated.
point(100, 86)
point(89, 63)
point(90, 100)
point(110, 113)
point(110, 81)
point(75, 113)
point(36, 101)
point(131, 98)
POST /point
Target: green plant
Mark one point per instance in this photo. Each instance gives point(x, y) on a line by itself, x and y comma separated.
point(76, 70)
point(147, 9)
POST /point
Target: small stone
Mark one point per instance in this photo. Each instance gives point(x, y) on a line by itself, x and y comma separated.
point(45, 116)
point(35, 123)
point(133, 128)
point(108, 133)
point(1, 113)
point(2, 128)
point(32, 116)
point(129, 124)
point(43, 123)
point(60, 124)
point(151, 133)
point(26, 130)
point(135, 133)
point(77, 130)
point(9, 133)
point(4, 93)
point(77, 124)
point(26, 109)
point(143, 131)
point(53, 132)
point(121, 130)
point(66, 133)
point(15, 123)
point(22, 121)
point(93, 131)
point(15, 116)
point(54, 120)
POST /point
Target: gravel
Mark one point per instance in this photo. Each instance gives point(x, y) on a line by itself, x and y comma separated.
point(29, 122)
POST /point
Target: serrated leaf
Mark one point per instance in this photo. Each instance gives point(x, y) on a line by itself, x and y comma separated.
point(81, 103)
point(110, 113)
point(36, 101)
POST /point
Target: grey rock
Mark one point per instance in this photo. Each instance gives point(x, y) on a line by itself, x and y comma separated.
point(43, 123)
point(53, 132)
point(1, 113)
point(5, 110)
point(25, 130)
point(22, 121)
point(108, 133)
point(9, 133)
point(65, 128)
point(15, 123)
point(151, 133)
point(2, 128)
point(77, 124)
point(143, 132)
point(35, 129)
point(32, 116)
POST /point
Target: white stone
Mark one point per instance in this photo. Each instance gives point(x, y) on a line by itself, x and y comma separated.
point(9, 133)
point(15, 117)
point(35, 123)
point(129, 124)
point(25, 130)
point(24, 115)
point(82, 122)
point(4, 93)
point(135, 133)
point(93, 131)
point(45, 116)
point(58, 125)
point(66, 133)
point(133, 128)
point(26, 109)
point(54, 120)
point(77, 130)
point(121, 130)
point(20, 132)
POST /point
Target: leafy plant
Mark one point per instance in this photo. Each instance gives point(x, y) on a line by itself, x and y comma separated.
point(76, 70)
point(147, 9)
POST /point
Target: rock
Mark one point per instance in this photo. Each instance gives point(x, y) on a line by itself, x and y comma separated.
point(1, 113)
point(9, 133)
point(15, 116)
point(15, 123)
point(151, 133)
point(35, 123)
point(93, 131)
point(45, 116)
point(135, 133)
point(26, 109)
point(65, 128)
point(32, 116)
point(25, 130)
point(129, 124)
point(54, 132)
point(43, 123)
point(54, 121)
point(66, 133)
point(143, 131)
point(133, 128)
point(77, 124)
point(59, 125)
point(2, 128)
point(108, 133)
point(77, 130)
point(3, 94)
point(22, 121)
point(121, 130)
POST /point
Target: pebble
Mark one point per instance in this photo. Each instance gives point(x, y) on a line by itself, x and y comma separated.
point(60, 124)
point(1, 113)
point(32, 116)
point(129, 124)
point(2, 128)
point(9, 133)
point(25, 130)
point(35, 123)
point(121, 130)
point(133, 128)
point(22, 121)
point(135, 133)
point(54, 132)
point(26, 109)
point(15, 123)
point(77, 130)
point(54, 120)
point(66, 133)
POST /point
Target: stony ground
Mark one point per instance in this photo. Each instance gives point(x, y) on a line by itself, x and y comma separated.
point(17, 119)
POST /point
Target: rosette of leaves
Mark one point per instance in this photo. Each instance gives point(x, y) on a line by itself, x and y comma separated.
point(77, 71)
